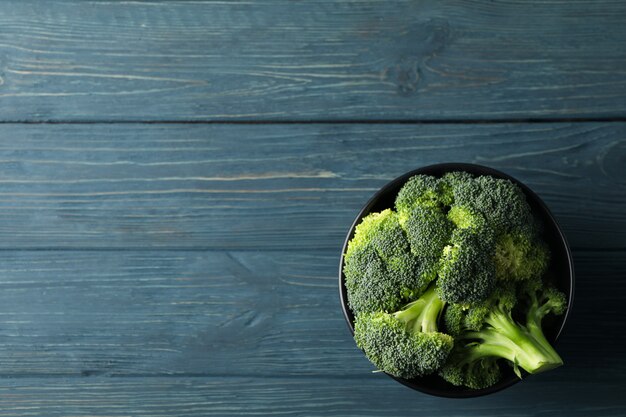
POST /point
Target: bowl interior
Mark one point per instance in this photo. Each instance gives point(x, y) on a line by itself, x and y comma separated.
point(560, 271)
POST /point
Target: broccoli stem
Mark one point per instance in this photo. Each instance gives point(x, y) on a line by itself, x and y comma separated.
point(525, 346)
point(422, 314)
point(534, 317)
point(536, 332)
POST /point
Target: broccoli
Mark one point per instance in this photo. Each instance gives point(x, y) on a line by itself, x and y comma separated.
point(488, 332)
point(467, 273)
point(472, 367)
point(420, 190)
point(428, 231)
point(406, 343)
point(500, 201)
point(381, 273)
point(464, 217)
point(542, 301)
point(470, 248)
point(453, 183)
point(520, 256)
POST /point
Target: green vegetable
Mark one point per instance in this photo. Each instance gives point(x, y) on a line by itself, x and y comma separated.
point(467, 273)
point(405, 343)
point(487, 332)
point(428, 231)
point(465, 249)
point(381, 273)
point(520, 256)
point(419, 191)
point(501, 202)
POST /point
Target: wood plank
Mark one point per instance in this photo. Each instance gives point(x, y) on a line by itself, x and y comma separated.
point(187, 397)
point(322, 60)
point(287, 187)
point(247, 314)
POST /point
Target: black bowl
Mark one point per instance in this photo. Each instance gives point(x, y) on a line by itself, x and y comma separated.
point(560, 272)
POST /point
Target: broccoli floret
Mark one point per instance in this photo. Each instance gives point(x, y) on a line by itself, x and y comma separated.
point(381, 273)
point(382, 231)
point(500, 201)
point(520, 256)
point(488, 332)
point(428, 231)
point(465, 217)
point(454, 319)
point(472, 367)
point(459, 318)
point(420, 190)
point(407, 343)
point(454, 183)
point(368, 284)
point(467, 273)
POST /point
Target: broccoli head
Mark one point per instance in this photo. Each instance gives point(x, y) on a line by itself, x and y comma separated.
point(428, 231)
point(467, 273)
point(471, 366)
point(456, 183)
point(502, 203)
point(464, 217)
point(406, 343)
point(382, 231)
point(420, 190)
point(520, 255)
point(381, 273)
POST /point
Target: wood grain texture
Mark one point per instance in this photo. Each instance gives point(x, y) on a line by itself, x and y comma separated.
point(375, 396)
point(247, 314)
point(177, 269)
point(287, 187)
point(322, 60)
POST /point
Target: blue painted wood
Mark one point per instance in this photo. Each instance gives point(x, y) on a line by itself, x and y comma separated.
point(147, 313)
point(151, 313)
point(375, 396)
point(190, 270)
point(322, 60)
point(288, 187)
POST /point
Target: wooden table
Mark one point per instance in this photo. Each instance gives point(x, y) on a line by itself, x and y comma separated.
point(177, 177)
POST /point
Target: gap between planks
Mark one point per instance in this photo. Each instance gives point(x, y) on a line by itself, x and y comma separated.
point(327, 122)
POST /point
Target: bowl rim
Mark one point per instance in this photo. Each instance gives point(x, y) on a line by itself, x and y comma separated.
point(474, 169)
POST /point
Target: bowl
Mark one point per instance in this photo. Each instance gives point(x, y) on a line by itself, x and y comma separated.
point(560, 271)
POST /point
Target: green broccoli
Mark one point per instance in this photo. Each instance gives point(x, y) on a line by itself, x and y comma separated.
point(542, 301)
point(487, 332)
point(464, 217)
point(500, 201)
point(501, 206)
point(519, 255)
point(428, 231)
point(381, 273)
point(406, 343)
point(466, 246)
point(454, 183)
point(467, 273)
point(472, 366)
point(420, 190)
